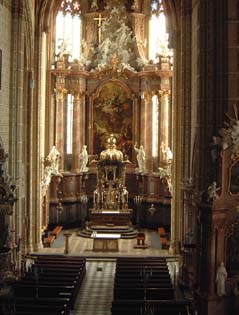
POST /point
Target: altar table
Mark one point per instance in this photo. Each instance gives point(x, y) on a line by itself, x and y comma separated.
point(104, 242)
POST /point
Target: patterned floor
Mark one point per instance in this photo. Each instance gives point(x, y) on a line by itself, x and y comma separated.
point(96, 294)
point(83, 246)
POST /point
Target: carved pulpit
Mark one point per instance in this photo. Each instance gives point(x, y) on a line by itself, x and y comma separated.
point(219, 222)
point(110, 199)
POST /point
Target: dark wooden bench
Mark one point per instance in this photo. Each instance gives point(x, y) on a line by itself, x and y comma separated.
point(161, 231)
point(66, 263)
point(45, 291)
point(139, 271)
point(41, 309)
point(49, 240)
point(135, 307)
point(46, 307)
point(56, 230)
point(36, 312)
point(59, 257)
point(165, 243)
point(143, 293)
point(143, 285)
point(51, 278)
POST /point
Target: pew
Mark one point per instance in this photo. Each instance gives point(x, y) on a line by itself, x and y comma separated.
point(141, 283)
point(49, 291)
point(134, 307)
point(143, 293)
point(49, 240)
point(56, 230)
point(161, 231)
point(33, 308)
point(165, 243)
point(53, 281)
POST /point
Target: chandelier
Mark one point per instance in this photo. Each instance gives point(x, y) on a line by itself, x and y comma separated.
point(70, 7)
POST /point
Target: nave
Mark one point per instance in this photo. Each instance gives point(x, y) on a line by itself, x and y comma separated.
point(128, 285)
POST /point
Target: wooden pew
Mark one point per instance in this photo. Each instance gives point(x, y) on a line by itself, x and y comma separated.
point(143, 293)
point(162, 231)
point(53, 278)
point(56, 308)
point(134, 307)
point(165, 243)
point(144, 282)
point(49, 240)
point(59, 258)
point(43, 301)
point(151, 284)
point(45, 291)
point(56, 230)
point(40, 309)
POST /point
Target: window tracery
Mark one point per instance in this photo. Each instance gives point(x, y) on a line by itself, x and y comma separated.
point(70, 6)
point(158, 37)
point(68, 29)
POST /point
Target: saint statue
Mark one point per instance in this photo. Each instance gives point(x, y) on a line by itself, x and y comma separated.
point(54, 159)
point(94, 5)
point(221, 278)
point(140, 158)
point(152, 209)
point(235, 135)
point(84, 159)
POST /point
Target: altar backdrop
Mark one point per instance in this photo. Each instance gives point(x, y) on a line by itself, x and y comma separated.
point(113, 113)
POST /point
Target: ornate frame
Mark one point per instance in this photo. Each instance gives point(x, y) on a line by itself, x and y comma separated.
point(96, 94)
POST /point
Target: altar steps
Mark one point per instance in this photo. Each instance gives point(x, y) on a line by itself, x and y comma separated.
point(126, 232)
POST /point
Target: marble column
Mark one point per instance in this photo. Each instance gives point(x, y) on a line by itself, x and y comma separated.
point(60, 129)
point(164, 121)
point(148, 130)
point(78, 128)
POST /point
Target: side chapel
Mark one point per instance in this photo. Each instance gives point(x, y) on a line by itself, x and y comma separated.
point(123, 114)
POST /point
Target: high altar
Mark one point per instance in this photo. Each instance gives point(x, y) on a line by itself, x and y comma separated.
point(114, 88)
point(110, 198)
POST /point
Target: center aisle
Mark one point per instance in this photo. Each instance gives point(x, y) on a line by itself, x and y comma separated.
point(96, 293)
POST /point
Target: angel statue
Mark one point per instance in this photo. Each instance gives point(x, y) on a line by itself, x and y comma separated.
point(212, 192)
point(140, 158)
point(94, 5)
point(84, 159)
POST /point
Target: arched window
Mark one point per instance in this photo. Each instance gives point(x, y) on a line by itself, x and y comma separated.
point(68, 29)
point(158, 37)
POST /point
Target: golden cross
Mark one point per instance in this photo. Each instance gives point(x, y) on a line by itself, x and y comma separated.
point(99, 19)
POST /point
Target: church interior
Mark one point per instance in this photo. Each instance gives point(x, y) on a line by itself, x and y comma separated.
point(119, 157)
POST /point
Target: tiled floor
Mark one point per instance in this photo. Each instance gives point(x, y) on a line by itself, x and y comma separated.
point(83, 247)
point(96, 293)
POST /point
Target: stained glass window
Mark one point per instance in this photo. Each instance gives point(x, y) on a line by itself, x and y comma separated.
point(158, 37)
point(68, 29)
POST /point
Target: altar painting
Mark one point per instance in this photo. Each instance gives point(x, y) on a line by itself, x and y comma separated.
point(113, 114)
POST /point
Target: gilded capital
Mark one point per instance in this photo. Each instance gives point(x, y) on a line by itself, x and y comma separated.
point(60, 93)
point(148, 95)
point(77, 94)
